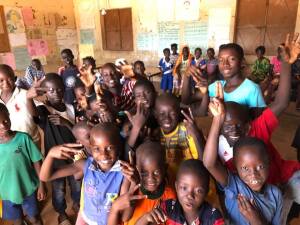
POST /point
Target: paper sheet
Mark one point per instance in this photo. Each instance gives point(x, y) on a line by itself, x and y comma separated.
point(22, 57)
point(9, 59)
point(87, 36)
point(187, 10)
point(66, 36)
point(27, 16)
point(37, 47)
point(14, 20)
point(17, 39)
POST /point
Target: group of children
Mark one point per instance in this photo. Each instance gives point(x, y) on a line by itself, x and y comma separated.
point(131, 156)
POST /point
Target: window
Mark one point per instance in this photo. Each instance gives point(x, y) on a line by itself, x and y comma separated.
point(116, 27)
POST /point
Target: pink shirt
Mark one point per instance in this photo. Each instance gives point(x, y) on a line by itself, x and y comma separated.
point(277, 65)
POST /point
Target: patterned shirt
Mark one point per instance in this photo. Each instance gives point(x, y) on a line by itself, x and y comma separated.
point(260, 70)
point(30, 73)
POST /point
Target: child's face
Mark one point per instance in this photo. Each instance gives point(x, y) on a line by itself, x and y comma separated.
point(67, 59)
point(167, 54)
point(233, 128)
point(151, 172)
point(82, 136)
point(167, 116)
point(198, 54)
point(7, 83)
point(55, 92)
point(174, 49)
point(191, 191)
point(104, 150)
point(259, 54)
point(79, 94)
point(111, 80)
point(144, 95)
point(229, 63)
point(251, 167)
point(36, 65)
point(210, 54)
point(185, 52)
point(4, 123)
point(139, 69)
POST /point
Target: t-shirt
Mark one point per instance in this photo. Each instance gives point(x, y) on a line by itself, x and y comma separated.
point(268, 202)
point(276, 65)
point(69, 76)
point(99, 190)
point(248, 93)
point(127, 94)
point(207, 215)
point(179, 147)
point(280, 170)
point(53, 134)
point(146, 205)
point(20, 117)
point(166, 67)
point(225, 152)
point(18, 178)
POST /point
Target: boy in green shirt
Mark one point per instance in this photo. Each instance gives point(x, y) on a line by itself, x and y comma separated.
point(20, 162)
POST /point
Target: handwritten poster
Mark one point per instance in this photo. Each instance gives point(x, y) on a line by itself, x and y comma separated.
point(14, 20)
point(168, 33)
point(37, 47)
point(196, 34)
point(66, 36)
point(146, 41)
point(9, 59)
point(86, 14)
point(22, 57)
point(17, 39)
point(27, 16)
point(87, 36)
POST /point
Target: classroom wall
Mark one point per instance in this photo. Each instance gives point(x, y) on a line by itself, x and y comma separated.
point(49, 17)
point(216, 17)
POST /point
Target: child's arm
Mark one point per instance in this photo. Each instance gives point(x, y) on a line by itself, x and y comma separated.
point(156, 216)
point(292, 50)
point(42, 190)
point(194, 132)
point(210, 156)
point(65, 151)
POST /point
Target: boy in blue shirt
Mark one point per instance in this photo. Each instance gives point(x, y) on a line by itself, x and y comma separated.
point(166, 67)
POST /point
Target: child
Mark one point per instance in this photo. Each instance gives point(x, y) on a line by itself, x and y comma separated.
point(151, 165)
point(81, 102)
point(69, 74)
point(19, 103)
point(81, 132)
point(261, 67)
point(56, 119)
point(174, 55)
point(183, 62)
point(102, 181)
point(192, 186)
point(182, 140)
point(248, 198)
point(33, 72)
point(199, 61)
point(211, 65)
point(139, 68)
point(276, 61)
point(20, 187)
point(165, 66)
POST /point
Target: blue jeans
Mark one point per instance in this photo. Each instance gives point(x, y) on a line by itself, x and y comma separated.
point(59, 192)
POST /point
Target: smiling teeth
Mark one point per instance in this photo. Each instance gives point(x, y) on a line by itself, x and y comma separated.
point(254, 182)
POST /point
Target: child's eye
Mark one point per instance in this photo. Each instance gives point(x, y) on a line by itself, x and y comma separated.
point(183, 188)
point(260, 167)
point(109, 148)
point(245, 169)
point(156, 173)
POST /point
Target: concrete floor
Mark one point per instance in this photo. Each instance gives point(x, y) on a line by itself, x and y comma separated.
point(282, 139)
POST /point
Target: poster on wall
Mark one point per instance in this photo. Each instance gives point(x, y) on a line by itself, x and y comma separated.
point(17, 39)
point(27, 16)
point(8, 59)
point(196, 34)
point(187, 10)
point(87, 36)
point(22, 57)
point(66, 36)
point(14, 20)
point(146, 41)
point(37, 47)
point(168, 33)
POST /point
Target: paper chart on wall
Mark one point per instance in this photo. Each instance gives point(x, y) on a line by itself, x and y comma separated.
point(14, 20)
point(168, 33)
point(37, 47)
point(66, 36)
point(27, 16)
point(22, 57)
point(147, 41)
point(87, 36)
point(8, 59)
point(17, 39)
point(196, 34)
point(187, 9)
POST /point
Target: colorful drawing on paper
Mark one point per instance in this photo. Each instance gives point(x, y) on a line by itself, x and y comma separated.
point(27, 16)
point(22, 57)
point(37, 47)
point(87, 36)
point(14, 20)
point(8, 59)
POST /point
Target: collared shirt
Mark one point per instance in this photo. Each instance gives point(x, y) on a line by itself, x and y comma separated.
point(20, 117)
point(166, 67)
point(207, 215)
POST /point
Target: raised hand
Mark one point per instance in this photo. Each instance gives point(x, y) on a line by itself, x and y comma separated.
point(189, 122)
point(65, 151)
point(249, 211)
point(219, 91)
point(216, 107)
point(87, 77)
point(200, 80)
point(129, 170)
point(141, 116)
point(36, 89)
point(127, 200)
point(292, 48)
point(156, 216)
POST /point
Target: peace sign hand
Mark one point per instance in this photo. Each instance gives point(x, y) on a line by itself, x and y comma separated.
point(36, 89)
point(200, 80)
